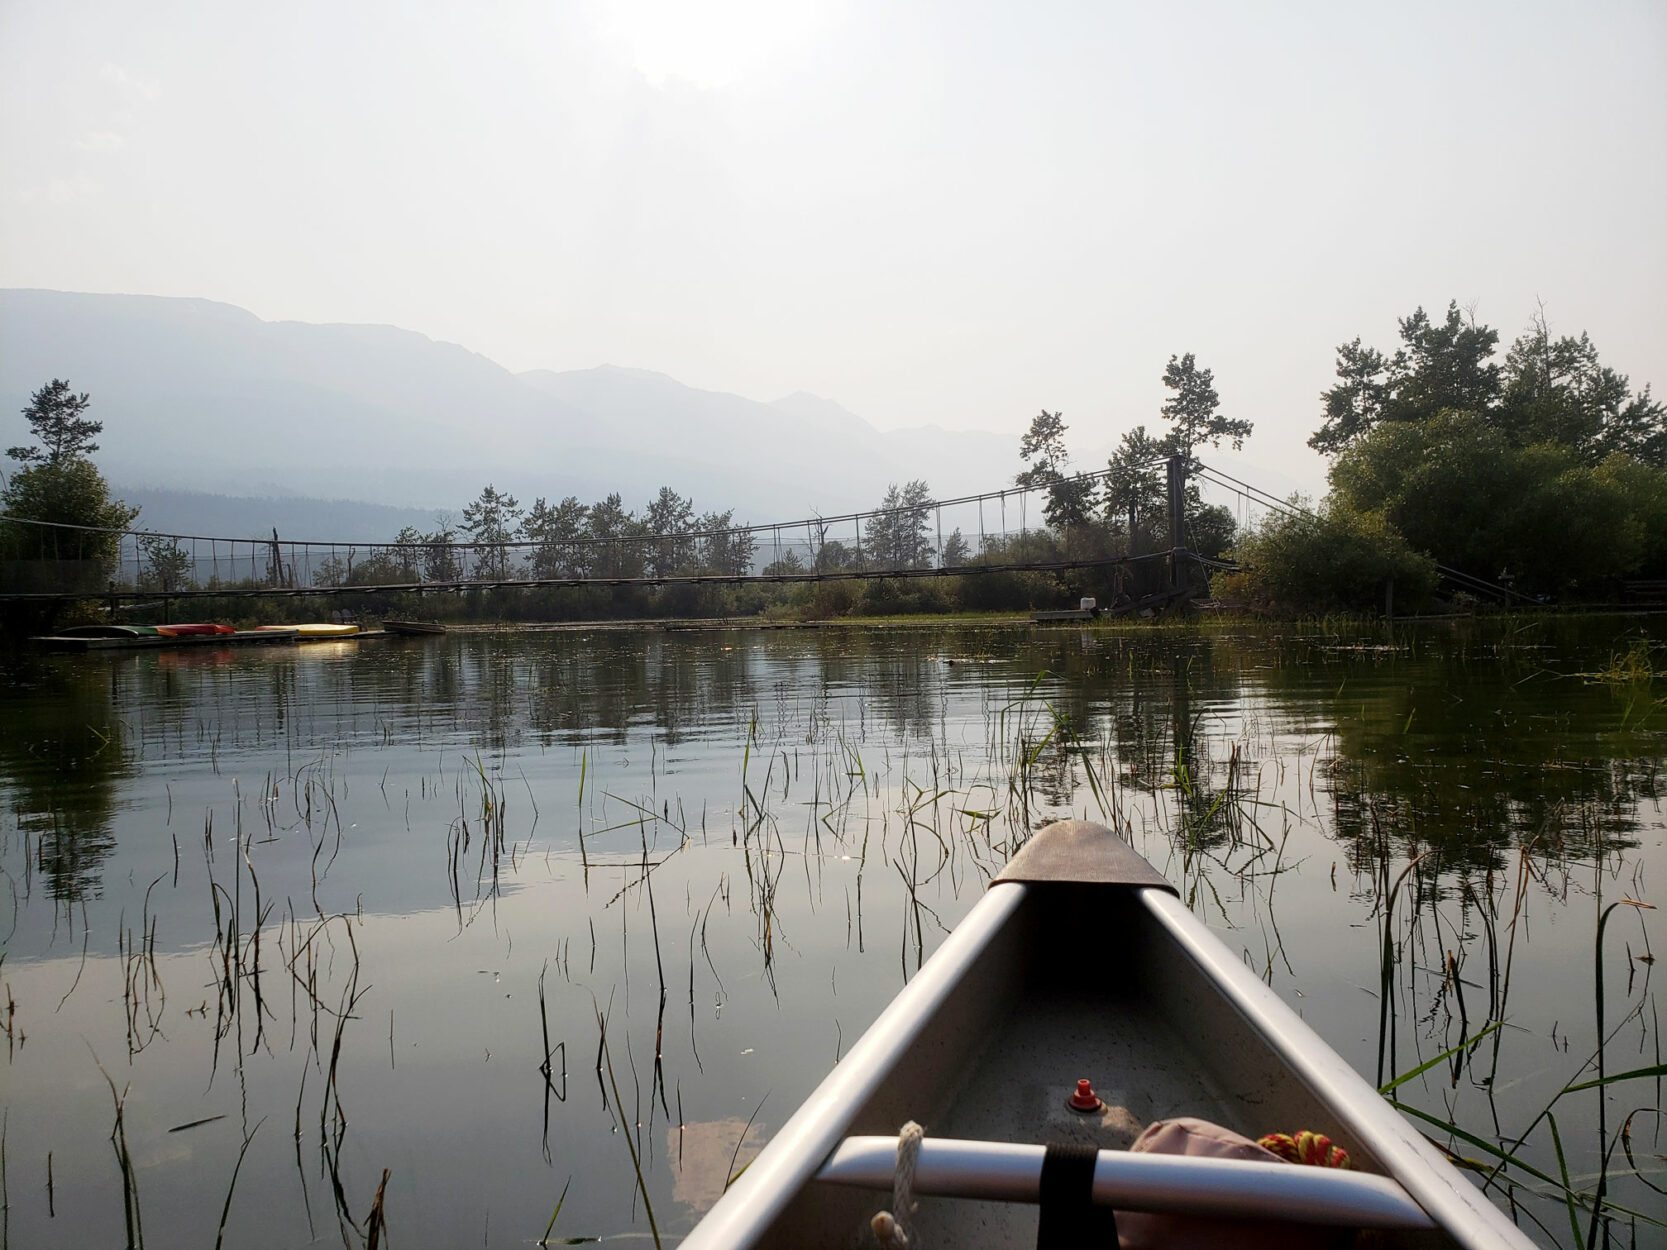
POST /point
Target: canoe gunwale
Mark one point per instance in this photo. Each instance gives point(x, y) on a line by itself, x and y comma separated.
point(793, 1157)
point(1462, 1211)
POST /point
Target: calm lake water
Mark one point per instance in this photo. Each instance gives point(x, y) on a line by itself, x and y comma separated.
point(337, 903)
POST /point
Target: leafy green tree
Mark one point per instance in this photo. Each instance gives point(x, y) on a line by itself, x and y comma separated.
point(608, 527)
point(54, 414)
point(1357, 402)
point(436, 551)
point(833, 556)
point(1070, 501)
point(1557, 391)
point(828, 554)
point(556, 529)
point(727, 550)
point(332, 571)
point(789, 564)
point(1194, 411)
point(1335, 560)
point(1456, 487)
point(898, 536)
point(492, 522)
point(1443, 366)
point(669, 516)
point(406, 562)
point(60, 532)
point(167, 565)
point(1644, 489)
point(70, 493)
point(1438, 366)
point(1211, 528)
point(1135, 489)
point(386, 565)
point(957, 551)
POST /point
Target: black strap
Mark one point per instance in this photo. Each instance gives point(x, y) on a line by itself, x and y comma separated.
point(1070, 1220)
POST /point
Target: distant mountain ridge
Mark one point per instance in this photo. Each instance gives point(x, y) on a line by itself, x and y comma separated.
point(198, 396)
point(296, 517)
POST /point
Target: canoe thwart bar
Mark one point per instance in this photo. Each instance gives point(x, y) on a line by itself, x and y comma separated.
point(1180, 1184)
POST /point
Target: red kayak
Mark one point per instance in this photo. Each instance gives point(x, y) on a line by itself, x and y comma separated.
point(184, 631)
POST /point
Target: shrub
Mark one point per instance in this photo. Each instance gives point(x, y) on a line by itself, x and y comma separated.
point(1335, 560)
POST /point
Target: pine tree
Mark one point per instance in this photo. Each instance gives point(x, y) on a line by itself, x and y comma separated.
point(54, 414)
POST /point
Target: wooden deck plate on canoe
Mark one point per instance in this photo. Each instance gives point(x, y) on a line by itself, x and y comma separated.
point(1081, 962)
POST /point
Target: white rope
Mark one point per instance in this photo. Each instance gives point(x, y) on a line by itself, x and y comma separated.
point(894, 1231)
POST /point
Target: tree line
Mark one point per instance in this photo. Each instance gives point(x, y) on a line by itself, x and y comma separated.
point(496, 539)
point(1131, 499)
point(1543, 471)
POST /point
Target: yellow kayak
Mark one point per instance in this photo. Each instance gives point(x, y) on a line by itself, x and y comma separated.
point(316, 630)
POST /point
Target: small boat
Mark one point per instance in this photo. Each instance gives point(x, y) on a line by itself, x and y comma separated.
point(143, 637)
point(109, 631)
point(193, 630)
point(1081, 963)
point(426, 629)
point(318, 629)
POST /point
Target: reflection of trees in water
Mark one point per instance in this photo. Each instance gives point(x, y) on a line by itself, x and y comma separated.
point(905, 686)
point(1150, 715)
point(602, 688)
point(1570, 811)
point(1437, 743)
point(1471, 777)
point(1443, 743)
point(1518, 754)
point(1116, 711)
point(62, 752)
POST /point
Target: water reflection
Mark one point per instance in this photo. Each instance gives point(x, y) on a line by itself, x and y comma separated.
point(61, 764)
point(371, 890)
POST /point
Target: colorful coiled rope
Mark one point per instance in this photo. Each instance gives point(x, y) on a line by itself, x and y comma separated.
point(1314, 1149)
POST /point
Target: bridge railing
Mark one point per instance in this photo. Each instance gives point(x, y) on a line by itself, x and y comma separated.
point(922, 536)
point(1004, 529)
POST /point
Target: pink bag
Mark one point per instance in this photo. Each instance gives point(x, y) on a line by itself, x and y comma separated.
point(1139, 1230)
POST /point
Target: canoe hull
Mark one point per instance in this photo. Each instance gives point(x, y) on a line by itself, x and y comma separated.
point(415, 629)
point(315, 630)
point(196, 630)
point(1044, 983)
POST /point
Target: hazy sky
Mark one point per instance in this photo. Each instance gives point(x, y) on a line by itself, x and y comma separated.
point(954, 213)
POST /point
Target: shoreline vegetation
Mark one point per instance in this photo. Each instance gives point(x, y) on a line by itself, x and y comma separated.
point(1541, 478)
point(1192, 622)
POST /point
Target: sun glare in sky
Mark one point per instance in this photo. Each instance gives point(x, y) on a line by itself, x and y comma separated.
point(711, 45)
point(942, 212)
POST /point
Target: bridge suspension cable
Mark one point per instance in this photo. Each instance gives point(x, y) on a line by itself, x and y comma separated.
point(917, 537)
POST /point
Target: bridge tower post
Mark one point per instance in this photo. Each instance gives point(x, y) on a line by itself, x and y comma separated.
point(1177, 519)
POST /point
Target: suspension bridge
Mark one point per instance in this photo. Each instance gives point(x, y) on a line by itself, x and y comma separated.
point(1004, 530)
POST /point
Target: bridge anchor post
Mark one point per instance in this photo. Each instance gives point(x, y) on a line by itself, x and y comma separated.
point(1177, 519)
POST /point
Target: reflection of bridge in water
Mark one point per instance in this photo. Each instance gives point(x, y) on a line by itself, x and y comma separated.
point(999, 531)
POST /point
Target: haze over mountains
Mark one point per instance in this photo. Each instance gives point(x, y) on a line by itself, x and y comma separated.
point(199, 396)
point(351, 431)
